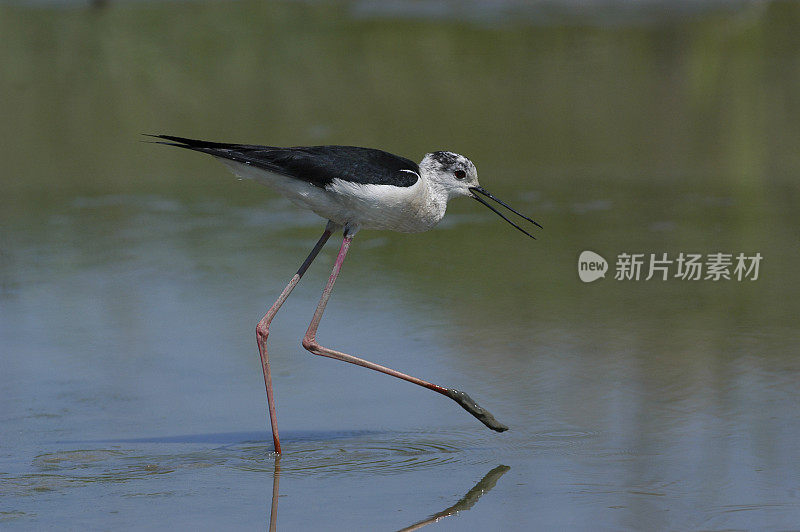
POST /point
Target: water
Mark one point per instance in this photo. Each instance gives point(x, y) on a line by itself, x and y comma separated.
point(132, 275)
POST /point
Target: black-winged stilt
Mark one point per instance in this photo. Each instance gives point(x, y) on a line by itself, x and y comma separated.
point(354, 188)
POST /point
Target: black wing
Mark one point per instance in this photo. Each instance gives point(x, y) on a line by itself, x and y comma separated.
point(318, 165)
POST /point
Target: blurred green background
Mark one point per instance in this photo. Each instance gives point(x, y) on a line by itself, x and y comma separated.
point(678, 130)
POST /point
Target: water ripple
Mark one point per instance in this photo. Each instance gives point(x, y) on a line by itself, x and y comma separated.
point(346, 453)
point(388, 453)
point(325, 455)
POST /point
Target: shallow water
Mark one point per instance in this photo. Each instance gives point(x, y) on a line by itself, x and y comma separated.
point(132, 276)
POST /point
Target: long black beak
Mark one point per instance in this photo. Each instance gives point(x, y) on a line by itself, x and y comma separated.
point(480, 190)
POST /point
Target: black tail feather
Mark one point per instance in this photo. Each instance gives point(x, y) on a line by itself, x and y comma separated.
point(194, 144)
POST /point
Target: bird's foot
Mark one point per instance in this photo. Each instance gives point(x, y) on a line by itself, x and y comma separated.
point(469, 404)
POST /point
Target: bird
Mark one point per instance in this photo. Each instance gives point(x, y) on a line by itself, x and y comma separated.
point(354, 188)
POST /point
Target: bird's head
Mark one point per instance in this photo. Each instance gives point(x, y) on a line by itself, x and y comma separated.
point(454, 175)
point(449, 172)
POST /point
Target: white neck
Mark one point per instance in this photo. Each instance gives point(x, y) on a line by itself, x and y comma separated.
point(435, 203)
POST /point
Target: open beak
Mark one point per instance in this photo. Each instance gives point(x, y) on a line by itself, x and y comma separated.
point(480, 190)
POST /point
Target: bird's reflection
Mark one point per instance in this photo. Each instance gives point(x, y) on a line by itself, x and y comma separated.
point(276, 479)
point(465, 503)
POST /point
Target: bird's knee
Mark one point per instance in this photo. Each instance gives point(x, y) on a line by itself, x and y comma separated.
point(262, 330)
point(310, 344)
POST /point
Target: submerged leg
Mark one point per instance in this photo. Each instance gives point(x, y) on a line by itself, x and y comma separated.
point(311, 344)
point(262, 329)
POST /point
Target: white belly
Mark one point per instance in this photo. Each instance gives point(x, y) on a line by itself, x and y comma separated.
point(405, 209)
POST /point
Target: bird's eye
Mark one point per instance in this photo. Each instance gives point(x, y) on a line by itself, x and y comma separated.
point(460, 174)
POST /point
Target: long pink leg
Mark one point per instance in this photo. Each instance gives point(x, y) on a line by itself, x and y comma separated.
point(311, 344)
point(262, 329)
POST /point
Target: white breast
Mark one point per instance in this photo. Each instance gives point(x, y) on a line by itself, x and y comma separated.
point(405, 209)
